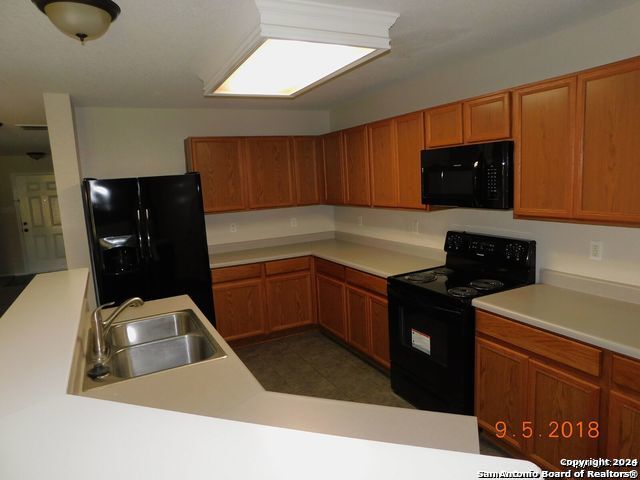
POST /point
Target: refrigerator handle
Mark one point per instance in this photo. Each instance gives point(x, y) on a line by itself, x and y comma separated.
point(139, 222)
point(146, 215)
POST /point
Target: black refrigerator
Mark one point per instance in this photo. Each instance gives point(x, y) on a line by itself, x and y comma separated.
point(147, 239)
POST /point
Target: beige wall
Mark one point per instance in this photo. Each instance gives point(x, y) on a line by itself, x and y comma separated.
point(11, 258)
point(561, 246)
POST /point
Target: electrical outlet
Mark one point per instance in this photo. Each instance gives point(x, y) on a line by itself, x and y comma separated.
point(595, 253)
point(233, 228)
point(415, 225)
point(293, 221)
point(360, 221)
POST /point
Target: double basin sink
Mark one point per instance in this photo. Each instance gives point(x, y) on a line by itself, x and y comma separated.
point(153, 344)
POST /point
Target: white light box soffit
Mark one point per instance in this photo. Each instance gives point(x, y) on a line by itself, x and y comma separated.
point(298, 45)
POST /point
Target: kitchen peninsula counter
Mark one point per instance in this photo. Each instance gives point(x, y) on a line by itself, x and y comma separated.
point(46, 431)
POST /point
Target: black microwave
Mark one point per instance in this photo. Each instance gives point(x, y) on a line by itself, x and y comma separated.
point(478, 176)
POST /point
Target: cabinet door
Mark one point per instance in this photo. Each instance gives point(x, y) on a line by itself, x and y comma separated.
point(289, 300)
point(322, 196)
point(358, 322)
point(487, 118)
point(333, 168)
point(409, 131)
point(623, 439)
point(608, 166)
point(380, 330)
point(306, 170)
point(384, 165)
point(220, 164)
point(544, 133)
point(356, 161)
point(501, 378)
point(443, 125)
point(239, 308)
point(270, 172)
point(331, 305)
point(557, 397)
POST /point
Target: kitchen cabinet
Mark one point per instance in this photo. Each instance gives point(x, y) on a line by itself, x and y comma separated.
point(333, 158)
point(487, 118)
point(624, 409)
point(608, 170)
point(409, 134)
point(220, 162)
point(289, 287)
point(384, 163)
point(379, 313)
point(544, 134)
point(443, 125)
point(269, 172)
point(356, 166)
point(306, 170)
point(358, 323)
point(331, 294)
point(238, 298)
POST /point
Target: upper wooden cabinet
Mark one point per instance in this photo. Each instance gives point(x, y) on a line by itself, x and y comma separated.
point(305, 159)
point(384, 163)
point(270, 172)
point(221, 166)
point(443, 125)
point(608, 164)
point(409, 134)
point(544, 133)
point(487, 118)
point(333, 156)
point(356, 166)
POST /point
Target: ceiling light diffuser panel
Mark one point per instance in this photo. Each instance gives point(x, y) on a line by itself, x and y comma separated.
point(298, 45)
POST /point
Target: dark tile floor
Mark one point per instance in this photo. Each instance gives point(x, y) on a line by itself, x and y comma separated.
point(10, 288)
point(312, 364)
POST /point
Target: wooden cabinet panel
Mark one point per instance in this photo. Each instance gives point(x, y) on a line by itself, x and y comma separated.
point(557, 396)
point(306, 170)
point(409, 131)
point(332, 145)
point(623, 437)
point(366, 281)
point(229, 274)
point(319, 148)
point(289, 300)
point(270, 172)
point(569, 352)
point(501, 378)
point(380, 330)
point(331, 305)
point(384, 164)
point(443, 125)
point(356, 166)
point(221, 166)
point(239, 308)
point(329, 268)
point(625, 373)
point(608, 169)
point(358, 323)
point(287, 265)
point(544, 133)
point(487, 118)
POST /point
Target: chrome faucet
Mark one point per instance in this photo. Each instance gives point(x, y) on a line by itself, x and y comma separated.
point(101, 328)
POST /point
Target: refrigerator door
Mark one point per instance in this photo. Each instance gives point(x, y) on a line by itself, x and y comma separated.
point(114, 226)
point(174, 239)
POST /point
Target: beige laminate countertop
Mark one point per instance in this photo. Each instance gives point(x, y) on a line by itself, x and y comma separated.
point(604, 322)
point(374, 260)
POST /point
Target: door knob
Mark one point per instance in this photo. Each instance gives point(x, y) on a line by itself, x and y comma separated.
point(25, 230)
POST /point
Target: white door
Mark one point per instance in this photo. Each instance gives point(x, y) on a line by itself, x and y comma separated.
point(41, 227)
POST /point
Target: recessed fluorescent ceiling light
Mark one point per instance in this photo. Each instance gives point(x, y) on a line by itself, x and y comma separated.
point(284, 67)
point(297, 45)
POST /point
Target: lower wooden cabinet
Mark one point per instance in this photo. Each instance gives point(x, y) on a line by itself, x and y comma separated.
point(331, 305)
point(380, 330)
point(549, 397)
point(289, 300)
point(239, 307)
point(358, 323)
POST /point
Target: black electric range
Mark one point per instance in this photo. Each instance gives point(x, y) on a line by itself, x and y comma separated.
point(431, 319)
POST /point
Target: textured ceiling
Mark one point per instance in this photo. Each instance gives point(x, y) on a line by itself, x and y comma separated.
point(151, 55)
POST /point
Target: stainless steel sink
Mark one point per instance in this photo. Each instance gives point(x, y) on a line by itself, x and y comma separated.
point(153, 344)
point(154, 328)
point(162, 355)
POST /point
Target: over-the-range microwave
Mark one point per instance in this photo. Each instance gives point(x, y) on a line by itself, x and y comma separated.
point(478, 176)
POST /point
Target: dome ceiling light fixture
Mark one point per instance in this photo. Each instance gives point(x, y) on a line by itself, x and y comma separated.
point(80, 19)
point(297, 45)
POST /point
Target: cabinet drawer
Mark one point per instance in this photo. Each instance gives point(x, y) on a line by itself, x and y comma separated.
point(625, 372)
point(367, 281)
point(329, 268)
point(287, 265)
point(571, 353)
point(228, 274)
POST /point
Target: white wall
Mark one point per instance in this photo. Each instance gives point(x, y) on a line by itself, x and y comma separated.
point(561, 246)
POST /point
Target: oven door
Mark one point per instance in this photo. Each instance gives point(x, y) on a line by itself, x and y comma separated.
point(432, 350)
